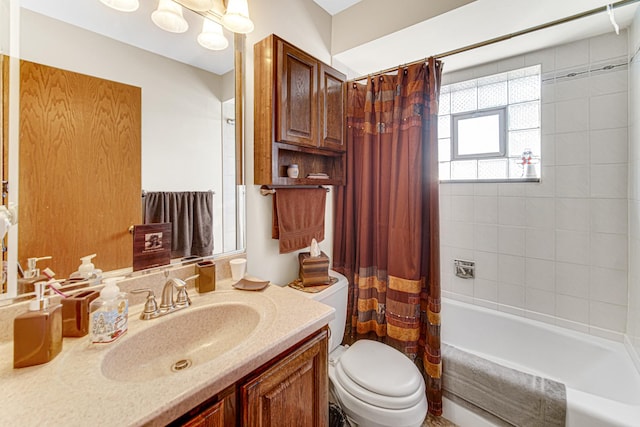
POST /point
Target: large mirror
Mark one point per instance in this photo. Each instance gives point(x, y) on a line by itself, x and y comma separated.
point(187, 117)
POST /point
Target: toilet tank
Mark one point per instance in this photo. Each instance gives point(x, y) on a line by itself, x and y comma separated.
point(334, 296)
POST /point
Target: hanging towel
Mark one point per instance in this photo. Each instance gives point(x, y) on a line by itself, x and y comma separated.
point(298, 217)
point(191, 216)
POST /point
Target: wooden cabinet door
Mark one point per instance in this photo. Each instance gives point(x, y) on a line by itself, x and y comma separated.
point(211, 417)
point(296, 96)
point(293, 392)
point(332, 102)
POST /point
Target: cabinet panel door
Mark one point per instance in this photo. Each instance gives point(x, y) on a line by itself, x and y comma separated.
point(211, 417)
point(297, 97)
point(332, 101)
point(293, 392)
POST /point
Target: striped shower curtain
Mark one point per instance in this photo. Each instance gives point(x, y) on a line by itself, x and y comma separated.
point(386, 238)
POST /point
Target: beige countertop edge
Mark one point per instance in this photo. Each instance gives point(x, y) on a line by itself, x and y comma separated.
point(58, 394)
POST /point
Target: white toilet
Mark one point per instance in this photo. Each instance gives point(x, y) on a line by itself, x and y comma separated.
point(375, 384)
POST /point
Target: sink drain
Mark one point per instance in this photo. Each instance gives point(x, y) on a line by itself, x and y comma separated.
point(181, 365)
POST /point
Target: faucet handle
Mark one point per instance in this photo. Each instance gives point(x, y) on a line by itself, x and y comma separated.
point(182, 298)
point(150, 306)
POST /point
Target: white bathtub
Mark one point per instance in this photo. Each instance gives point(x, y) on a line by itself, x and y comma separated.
point(603, 385)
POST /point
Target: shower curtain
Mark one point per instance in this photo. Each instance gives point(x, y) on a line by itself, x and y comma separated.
point(386, 239)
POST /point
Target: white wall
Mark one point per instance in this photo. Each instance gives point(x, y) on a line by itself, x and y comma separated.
point(181, 105)
point(306, 25)
point(633, 320)
point(556, 250)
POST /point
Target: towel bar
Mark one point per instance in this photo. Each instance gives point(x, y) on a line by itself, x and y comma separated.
point(267, 190)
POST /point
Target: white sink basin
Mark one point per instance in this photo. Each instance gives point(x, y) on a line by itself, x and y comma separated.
point(180, 341)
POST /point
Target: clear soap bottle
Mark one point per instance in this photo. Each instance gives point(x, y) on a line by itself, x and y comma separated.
point(37, 334)
point(108, 314)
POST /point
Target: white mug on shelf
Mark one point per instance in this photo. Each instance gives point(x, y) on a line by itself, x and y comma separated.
point(292, 171)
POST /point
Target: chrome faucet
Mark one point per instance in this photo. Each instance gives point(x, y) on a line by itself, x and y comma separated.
point(167, 305)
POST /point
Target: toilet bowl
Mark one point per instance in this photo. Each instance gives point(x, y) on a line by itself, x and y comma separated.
point(375, 384)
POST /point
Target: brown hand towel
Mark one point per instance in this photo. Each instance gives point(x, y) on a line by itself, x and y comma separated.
point(298, 217)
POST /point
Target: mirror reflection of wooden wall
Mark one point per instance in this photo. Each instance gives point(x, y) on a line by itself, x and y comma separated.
point(84, 130)
point(4, 135)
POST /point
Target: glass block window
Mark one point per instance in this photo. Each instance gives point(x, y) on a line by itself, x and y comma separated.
point(486, 125)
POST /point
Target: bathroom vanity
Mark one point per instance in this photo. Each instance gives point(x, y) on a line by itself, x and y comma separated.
point(232, 358)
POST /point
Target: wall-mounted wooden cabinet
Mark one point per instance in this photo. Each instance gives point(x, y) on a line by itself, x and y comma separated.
point(299, 107)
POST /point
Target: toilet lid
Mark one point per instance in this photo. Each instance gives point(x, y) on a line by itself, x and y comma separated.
point(375, 399)
point(381, 369)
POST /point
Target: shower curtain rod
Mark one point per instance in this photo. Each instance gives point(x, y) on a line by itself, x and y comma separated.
point(508, 36)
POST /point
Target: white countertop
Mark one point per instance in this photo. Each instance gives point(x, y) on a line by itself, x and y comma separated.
point(72, 390)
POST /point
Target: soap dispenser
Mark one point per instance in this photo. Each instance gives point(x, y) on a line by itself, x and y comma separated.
point(31, 275)
point(108, 314)
point(86, 270)
point(37, 334)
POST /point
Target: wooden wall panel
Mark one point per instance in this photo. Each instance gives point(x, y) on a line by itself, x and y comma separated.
point(80, 166)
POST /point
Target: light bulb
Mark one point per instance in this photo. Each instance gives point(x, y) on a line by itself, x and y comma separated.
point(122, 5)
point(236, 18)
point(211, 36)
point(168, 16)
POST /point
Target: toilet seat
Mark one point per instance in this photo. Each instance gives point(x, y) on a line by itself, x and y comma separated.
point(362, 371)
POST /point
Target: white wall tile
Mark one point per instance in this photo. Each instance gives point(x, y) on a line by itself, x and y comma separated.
point(572, 54)
point(609, 146)
point(608, 111)
point(572, 279)
point(609, 215)
point(485, 189)
point(486, 290)
point(511, 269)
point(609, 250)
point(572, 308)
point(462, 208)
point(486, 238)
point(572, 246)
point(607, 285)
point(511, 240)
point(548, 148)
point(461, 235)
point(486, 265)
point(572, 148)
point(572, 88)
point(511, 211)
point(572, 116)
point(607, 46)
point(540, 243)
point(572, 214)
point(541, 212)
point(462, 286)
point(548, 118)
point(547, 185)
point(609, 180)
point(540, 274)
point(608, 316)
point(572, 181)
point(606, 83)
point(486, 209)
point(512, 295)
point(540, 301)
point(545, 57)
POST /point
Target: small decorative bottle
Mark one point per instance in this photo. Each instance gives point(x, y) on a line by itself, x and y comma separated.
point(108, 314)
point(293, 171)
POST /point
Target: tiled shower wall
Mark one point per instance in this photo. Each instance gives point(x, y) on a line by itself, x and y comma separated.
point(555, 250)
point(633, 320)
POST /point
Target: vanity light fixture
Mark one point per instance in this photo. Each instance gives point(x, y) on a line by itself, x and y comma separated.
point(168, 16)
point(211, 36)
point(236, 17)
point(198, 5)
point(122, 5)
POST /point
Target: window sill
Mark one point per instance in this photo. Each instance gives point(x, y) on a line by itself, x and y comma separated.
point(485, 181)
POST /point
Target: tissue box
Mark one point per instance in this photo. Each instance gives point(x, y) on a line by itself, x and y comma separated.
point(314, 270)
